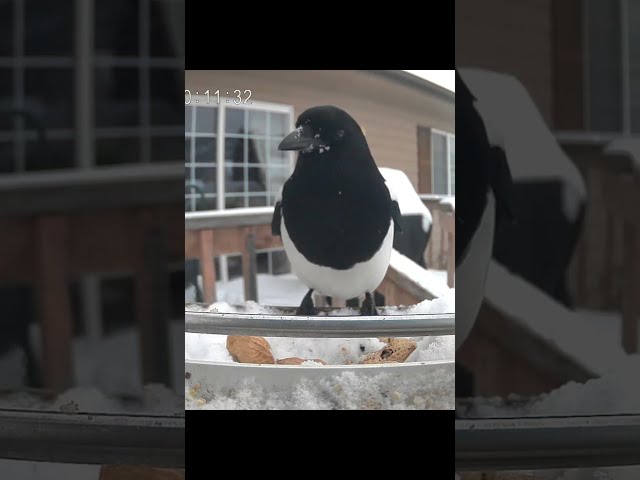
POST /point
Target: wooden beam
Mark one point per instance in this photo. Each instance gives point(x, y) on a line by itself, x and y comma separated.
point(152, 303)
point(250, 268)
point(207, 266)
point(54, 301)
point(630, 290)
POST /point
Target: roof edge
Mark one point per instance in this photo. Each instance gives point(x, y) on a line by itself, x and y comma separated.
point(413, 81)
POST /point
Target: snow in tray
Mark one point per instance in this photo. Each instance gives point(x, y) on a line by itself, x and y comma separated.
point(343, 391)
point(599, 350)
point(430, 280)
point(402, 190)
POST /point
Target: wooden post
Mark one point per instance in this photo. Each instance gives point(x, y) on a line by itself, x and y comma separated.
point(449, 224)
point(250, 268)
point(630, 290)
point(152, 307)
point(207, 266)
point(54, 301)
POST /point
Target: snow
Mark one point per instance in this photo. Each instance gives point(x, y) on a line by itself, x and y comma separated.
point(615, 393)
point(272, 290)
point(427, 279)
point(402, 190)
point(598, 350)
point(344, 391)
point(334, 351)
point(531, 149)
point(449, 201)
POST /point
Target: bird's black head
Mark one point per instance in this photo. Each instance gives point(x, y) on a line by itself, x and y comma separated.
point(320, 129)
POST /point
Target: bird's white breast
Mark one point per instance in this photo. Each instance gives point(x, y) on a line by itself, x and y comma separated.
point(344, 284)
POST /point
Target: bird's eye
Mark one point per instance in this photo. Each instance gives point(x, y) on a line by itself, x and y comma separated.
point(340, 133)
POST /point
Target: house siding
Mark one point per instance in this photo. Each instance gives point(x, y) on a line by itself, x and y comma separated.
point(389, 112)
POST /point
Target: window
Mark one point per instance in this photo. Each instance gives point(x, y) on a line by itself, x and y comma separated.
point(232, 161)
point(612, 65)
point(231, 155)
point(443, 163)
point(119, 88)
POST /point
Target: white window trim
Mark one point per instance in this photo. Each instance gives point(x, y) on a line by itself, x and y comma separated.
point(450, 137)
point(220, 133)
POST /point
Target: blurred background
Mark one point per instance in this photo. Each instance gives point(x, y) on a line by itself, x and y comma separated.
point(90, 196)
point(558, 87)
point(234, 121)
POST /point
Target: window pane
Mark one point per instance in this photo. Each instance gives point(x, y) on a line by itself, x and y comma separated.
point(277, 157)
point(257, 153)
point(604, 63)
point(6, 28)
point(116, 27)
point(234, 150)
point(234, 179)
point(206, 120)
point(117, 97)
point(165, 16)
point(49, 28)
point(277, 177)
point(206, 179)
point(439, 163)
point(50, 103)
point(7, 157)
point(234, 121)
point(256, 179)
point(6, 97)
point(634, 63)
point(205, 150)
point(188, 115)
point(167, 149)
point(206, 203)
point(187, 179)
point(188, 142)
point(164, 92)
point(117, 150)
point(260, 201)
point(257, 122)
point(50, 155)
point(232, 201)
point(279, 124)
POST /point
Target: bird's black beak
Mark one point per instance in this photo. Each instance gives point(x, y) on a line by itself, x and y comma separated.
point(301, 138)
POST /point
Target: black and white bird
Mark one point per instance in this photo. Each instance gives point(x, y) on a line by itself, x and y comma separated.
point(483, 175)
point(336, 216)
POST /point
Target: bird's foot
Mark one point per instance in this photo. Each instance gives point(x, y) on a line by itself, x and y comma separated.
point(307, 307)
point(368, 307)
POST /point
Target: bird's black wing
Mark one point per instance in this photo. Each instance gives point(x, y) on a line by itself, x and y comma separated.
point(397, 216)
point(275, 221)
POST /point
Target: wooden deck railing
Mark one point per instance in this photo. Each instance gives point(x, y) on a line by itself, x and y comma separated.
point(440, 254)
point(223, 232)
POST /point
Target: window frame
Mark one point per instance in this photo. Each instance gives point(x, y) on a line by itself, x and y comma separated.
point(625, 72)
point(220, 136)
point(83, 131)
point(450, 137)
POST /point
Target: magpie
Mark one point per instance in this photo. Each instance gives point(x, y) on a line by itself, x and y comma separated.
point(484, 177)
point(336, 216)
